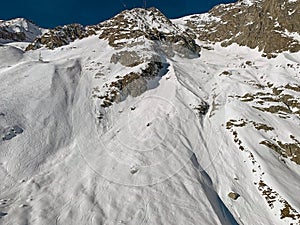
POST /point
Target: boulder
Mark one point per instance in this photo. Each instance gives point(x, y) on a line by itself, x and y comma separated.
point(233, 195)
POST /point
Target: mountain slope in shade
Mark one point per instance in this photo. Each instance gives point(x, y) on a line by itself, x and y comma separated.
point(19, 29)
point(142, 122)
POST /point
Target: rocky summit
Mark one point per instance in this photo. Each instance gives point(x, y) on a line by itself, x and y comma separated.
point(271, 26)
point(142, 119)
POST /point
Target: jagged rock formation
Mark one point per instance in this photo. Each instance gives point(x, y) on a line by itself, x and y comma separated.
point(124, 30)
point(271, 25)
point(6, 35)
point(133, 84)
point(60, 36)
point(139, 36)
point(126, 58)
point(140, 24)
point(19, 30)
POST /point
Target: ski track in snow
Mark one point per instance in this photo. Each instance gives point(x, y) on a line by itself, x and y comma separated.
point(66, 168)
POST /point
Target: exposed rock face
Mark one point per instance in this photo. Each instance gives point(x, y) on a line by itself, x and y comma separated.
point(270, 25)
point(129, 28)
point(133, 84)
point(126, 58)
point(6, 35)
point(132, 27)
point(202, 108)
point(281, 101)
point(60, 36)
point(19, 30)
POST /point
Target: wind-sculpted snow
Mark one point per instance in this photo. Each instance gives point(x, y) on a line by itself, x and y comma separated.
point(10, 55)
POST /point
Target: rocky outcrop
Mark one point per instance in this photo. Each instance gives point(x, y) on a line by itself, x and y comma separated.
point(272, 26)
point(269, 25)
point(61, 36)
point(6, 35)
point(133, 84)
point(129, 28)
point(233, 195)
point(280, 101)
point(18, 30)
point(126, 58)
point(134, 27)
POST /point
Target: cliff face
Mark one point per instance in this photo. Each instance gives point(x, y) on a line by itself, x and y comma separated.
point(271, 26)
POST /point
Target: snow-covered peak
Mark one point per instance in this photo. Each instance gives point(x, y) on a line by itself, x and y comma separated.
point(131, 24)
point(146, 25)
point(19, 29)
point(147, 18)
point(17, 24)
point(126, 29)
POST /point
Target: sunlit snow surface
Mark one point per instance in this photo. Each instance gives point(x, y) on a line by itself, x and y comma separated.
point(152, 159)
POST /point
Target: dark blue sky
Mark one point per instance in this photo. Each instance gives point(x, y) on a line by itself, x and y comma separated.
point(51, 13)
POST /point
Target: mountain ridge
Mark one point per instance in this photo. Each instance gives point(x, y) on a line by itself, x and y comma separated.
point(245, 22)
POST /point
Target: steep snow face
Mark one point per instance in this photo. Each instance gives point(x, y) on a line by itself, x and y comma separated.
point(10, 56)
point(19, 29)
point(64, 145)
point(138, 133)
point(155, 158)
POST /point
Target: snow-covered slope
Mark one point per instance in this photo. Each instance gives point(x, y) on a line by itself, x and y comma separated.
point(139, 128)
